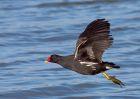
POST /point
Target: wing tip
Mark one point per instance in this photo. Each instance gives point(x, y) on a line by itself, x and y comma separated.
point(102, 19)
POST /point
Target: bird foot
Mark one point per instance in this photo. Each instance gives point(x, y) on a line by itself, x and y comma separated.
point(116, 81)
point(113, 79)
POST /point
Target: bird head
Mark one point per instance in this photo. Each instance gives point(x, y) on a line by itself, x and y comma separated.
point(53, 58)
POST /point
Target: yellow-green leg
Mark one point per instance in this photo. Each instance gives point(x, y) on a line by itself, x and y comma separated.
point(113, 79)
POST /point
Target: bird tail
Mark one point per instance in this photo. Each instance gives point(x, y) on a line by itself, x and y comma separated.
point(110, 65)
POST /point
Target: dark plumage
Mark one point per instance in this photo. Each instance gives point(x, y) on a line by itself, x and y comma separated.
point(87, 58)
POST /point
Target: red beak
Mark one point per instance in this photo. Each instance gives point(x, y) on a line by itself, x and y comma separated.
point(48, 60)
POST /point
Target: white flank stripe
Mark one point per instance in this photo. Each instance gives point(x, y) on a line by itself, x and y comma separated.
point(88, 63)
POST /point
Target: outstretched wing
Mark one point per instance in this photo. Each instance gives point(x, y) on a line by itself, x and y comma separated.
point(94, 41)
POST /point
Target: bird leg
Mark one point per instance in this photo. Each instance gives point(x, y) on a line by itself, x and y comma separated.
point(113, 79)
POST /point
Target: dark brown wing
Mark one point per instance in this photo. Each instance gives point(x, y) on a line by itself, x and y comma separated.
point(94, 41)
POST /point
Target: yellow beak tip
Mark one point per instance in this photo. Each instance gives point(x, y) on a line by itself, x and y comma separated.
point(46, 61)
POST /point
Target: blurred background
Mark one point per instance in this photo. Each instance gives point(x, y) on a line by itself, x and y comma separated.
point(32, 30)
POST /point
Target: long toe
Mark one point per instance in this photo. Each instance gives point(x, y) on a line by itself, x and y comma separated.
point(116, 81)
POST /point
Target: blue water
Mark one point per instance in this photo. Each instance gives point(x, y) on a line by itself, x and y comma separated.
point(32, 30)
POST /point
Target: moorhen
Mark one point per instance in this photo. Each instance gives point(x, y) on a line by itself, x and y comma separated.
point(87, 58)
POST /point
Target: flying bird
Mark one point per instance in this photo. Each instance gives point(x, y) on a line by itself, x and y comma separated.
point(90, 46)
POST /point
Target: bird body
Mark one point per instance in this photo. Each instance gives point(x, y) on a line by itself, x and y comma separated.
point(82, 67)
point(87, 58)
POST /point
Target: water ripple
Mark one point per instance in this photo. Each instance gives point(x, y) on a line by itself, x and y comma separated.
point(33, 30)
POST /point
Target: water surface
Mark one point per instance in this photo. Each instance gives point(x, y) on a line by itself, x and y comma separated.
point(31, 30)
